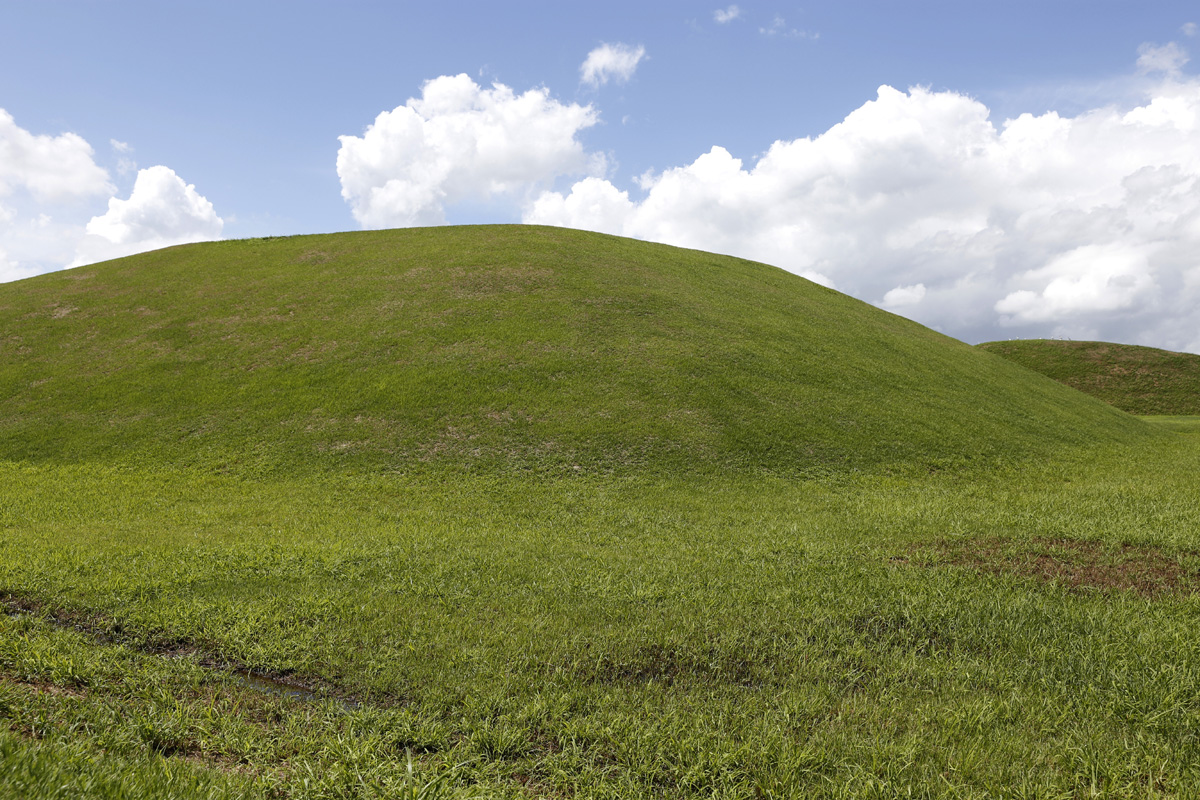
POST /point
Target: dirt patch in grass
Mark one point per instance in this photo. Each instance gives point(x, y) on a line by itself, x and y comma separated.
point(1079, 564)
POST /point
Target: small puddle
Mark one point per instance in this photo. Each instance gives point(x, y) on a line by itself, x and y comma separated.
point(262, 683)
point(281, 688)
point(17, 614)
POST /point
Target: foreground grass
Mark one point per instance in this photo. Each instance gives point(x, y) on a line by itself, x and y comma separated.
point(602, 638)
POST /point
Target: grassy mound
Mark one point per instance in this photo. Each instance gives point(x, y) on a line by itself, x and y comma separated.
point(1140, 380)
point(497, 348)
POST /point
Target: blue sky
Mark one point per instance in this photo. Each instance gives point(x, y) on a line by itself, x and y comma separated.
point(218, 119)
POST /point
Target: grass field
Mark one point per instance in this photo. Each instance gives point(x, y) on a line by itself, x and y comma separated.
point(1140, 380)
point(985, 586)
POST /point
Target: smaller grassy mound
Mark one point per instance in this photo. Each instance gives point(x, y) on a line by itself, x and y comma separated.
point(1139, 380)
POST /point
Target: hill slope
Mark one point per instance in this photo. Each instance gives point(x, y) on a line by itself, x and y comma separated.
point(496, 347)
point(1140, 380)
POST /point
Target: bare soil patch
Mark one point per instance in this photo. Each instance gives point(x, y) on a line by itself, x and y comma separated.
point(1079, 564)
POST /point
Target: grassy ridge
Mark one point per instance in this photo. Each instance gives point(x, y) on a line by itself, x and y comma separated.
point(496, 348)
point(1139, 380)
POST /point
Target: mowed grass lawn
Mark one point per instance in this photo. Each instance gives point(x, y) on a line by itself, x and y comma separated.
point(516, 512)
point(1028, 630)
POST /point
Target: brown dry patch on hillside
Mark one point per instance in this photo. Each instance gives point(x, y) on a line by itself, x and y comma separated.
point(1079, 564)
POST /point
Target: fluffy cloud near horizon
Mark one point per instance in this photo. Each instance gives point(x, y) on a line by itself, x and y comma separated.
point(616, 62)
point(51, 185)
point(162, 210)
point(46, 183)
point(461, 142)
point(1048, 225)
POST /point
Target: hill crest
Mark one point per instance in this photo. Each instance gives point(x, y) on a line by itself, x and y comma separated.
point(498, 348)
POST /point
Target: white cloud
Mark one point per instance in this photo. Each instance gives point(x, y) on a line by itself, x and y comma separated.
point(9, 270)
point(617, 62)
point(1188, 28)
point(1168, 58)
point(778, 24)
point(51, 186)
point(35, 242)
point(1092, 278)
point(125, 163)
point(161, 211)
point(904, 296)
point(49, 168)
point(48, 184)
point(460, 142)
point(1036, 226)
point(725, 15)
point(779, 27)
point(604, 207)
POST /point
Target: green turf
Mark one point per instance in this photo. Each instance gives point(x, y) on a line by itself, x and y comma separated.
point(1139, 380)
point(496, 348)
point(606, 638)
point(522, 512)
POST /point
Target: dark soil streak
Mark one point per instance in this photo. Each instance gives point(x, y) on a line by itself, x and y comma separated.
point(105, 631)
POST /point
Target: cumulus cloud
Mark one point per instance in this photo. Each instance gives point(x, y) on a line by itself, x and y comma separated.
point(724, 15)
point(593, 203)
point(51, 185)
point(49, 168)
point(1042, 225)
point(616, 62)
point(1188, 28)
point(903, 296)
point(1088, 279)
point(161, 211)
point(46, 183)
point(458, 142)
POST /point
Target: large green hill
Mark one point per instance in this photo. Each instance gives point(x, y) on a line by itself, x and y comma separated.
point(497, 347)
point(1140, 380)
